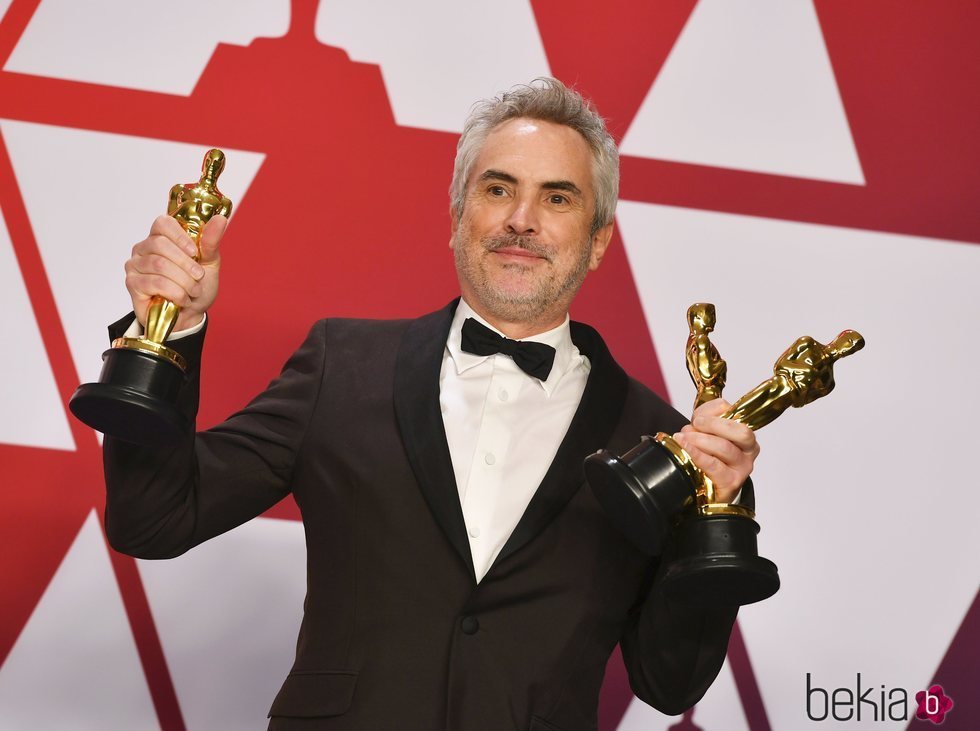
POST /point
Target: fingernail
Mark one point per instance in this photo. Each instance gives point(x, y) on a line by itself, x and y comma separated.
point(699, 421)
point(197, 271)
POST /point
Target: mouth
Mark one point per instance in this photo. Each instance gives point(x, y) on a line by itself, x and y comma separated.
point(517, 253)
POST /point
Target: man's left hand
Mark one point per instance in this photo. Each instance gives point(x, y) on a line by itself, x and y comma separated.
point(725, 450)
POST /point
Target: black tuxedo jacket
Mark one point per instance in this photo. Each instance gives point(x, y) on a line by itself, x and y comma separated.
point(397, 634)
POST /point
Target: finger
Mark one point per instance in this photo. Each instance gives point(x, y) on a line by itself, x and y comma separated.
point(166, 248)
point(725, 477)
point(158, 265)
point(211, 239)
point(720, 449)
point(168, 227)
point(733, 431)
point(145, 286)
point(715, 407)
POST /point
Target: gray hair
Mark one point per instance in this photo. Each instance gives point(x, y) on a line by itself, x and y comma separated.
point(547, 100)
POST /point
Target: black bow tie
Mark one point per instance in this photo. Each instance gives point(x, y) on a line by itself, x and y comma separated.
point(535, 359)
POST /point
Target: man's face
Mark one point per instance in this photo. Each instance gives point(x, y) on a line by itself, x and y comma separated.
point(523, 244)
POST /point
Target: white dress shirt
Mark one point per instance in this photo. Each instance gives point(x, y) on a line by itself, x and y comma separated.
point(504, 428)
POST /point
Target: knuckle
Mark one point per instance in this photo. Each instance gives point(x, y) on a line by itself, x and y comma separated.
point(159, 224)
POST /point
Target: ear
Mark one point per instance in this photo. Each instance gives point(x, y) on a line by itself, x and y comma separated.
point(453, 225)
point(600, 242)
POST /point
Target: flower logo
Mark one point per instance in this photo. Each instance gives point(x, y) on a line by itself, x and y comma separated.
point(934, 704)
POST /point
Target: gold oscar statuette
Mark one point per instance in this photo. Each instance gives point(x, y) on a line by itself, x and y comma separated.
point(657, 495)
point(135, 398)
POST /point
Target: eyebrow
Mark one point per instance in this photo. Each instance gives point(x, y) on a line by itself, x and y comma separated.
point(566, 185)
point(498, 175)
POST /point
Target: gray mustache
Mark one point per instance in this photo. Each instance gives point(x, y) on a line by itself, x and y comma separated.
point(493, 243)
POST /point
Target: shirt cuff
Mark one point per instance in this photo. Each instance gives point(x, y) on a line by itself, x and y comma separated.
point(135, 330)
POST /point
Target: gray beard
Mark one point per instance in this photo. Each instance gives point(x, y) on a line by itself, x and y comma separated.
point(527, 307)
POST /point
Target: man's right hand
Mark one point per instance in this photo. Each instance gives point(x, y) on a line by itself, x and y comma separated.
point(163, 263)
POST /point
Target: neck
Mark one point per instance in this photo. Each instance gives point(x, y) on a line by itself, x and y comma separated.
point(519, 329)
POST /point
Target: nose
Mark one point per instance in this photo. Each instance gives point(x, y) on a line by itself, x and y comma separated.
point(522, 218)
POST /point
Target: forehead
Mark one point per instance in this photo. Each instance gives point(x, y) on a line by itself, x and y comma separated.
point(535, 151)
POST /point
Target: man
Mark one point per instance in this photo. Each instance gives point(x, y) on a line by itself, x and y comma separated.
point(460, 574)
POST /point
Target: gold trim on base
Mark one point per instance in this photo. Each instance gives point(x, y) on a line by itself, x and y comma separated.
point(155, 349)
point(682, 459)
point(726, 509)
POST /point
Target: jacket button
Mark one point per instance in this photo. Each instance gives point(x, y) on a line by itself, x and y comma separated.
point(470, 625)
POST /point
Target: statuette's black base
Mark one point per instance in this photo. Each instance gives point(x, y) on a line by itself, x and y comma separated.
point(134, 400)
point(716, 562)
point(713, 560)
point(643, 492)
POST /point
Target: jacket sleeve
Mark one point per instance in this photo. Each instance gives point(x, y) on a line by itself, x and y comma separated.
point(160, 502)
point(673, 652)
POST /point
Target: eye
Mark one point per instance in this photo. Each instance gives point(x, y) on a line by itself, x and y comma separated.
point(557, 199)
point(497, 190)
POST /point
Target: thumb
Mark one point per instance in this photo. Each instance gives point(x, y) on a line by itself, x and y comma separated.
point(715, 407)
point(211, 238)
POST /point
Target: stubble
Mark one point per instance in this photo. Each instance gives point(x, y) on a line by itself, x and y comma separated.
point(533, 300)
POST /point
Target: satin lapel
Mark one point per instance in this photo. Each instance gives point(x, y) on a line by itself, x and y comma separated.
point(591, 429)
point(420, 422)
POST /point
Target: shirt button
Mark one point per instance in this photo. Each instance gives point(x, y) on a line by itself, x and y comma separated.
point(470, 625)
point(490, 459)
point(503, 395)
point(475, 532)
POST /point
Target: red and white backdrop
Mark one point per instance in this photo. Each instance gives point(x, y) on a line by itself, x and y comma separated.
point(805, 165)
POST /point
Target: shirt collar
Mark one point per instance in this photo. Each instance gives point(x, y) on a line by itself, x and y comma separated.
point(567, 356)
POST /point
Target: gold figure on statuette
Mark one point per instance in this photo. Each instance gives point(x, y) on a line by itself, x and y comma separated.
point(192, 205)
point(707, 368)
point(801, 375)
